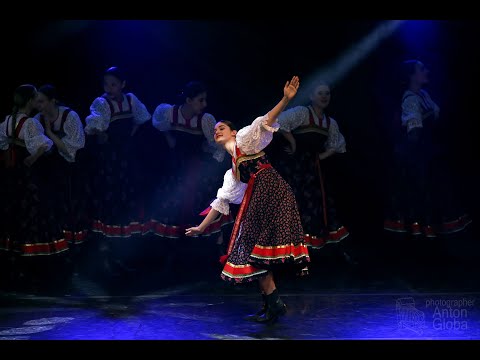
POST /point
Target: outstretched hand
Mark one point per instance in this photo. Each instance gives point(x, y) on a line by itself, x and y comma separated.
point(193, 231)
point(291, 87)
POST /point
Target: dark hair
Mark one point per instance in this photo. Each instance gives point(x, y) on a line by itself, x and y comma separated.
point(49, 91)
point(116, 72)
point(407, 69)
point(191, 90)
point(230, 124)
point(21, 96)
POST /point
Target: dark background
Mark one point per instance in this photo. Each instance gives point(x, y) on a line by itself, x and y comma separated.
point(245, 65)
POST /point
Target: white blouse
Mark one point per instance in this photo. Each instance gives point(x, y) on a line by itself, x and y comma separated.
point(100, 114)
point(415, 107)
point(250, 140)
point(74, 138)
point(163, 117)
point(298, 116)
point(31, 132)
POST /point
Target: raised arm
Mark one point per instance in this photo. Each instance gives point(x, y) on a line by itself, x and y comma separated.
point(289, 92)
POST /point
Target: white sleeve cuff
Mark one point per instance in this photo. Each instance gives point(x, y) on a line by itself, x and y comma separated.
point(221, 206)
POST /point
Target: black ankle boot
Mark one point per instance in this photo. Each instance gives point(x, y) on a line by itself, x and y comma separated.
point(350, 259)
point(262, 311)
point(275, 308)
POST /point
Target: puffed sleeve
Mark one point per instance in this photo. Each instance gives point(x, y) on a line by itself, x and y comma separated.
point(161, 117)
point(255, 137)
point(34, 137)
point(232, 191)
point(436, 108)
point(412, 112)
point(293, 118)
point(3, 135)
point(99, 118)
point(139, 110)
point(208, 128)
point(74, 138)
point(335, 140)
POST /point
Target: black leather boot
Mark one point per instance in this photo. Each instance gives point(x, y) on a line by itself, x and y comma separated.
point(253, 317)
point(275, 308)
point(347, 253)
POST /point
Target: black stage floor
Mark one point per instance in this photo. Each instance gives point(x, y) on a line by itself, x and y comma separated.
point(388, 295)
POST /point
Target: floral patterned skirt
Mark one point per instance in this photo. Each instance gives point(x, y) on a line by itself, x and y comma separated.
point(270, 235)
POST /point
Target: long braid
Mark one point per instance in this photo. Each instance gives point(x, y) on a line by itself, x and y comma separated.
point(22, 95)
point(14, 118)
